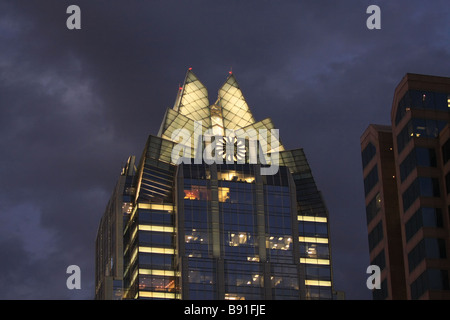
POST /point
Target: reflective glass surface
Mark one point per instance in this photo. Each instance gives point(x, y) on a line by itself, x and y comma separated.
point(423, 157)
point(371, 180)
point(368, 153)
point(249, 262)
point(424, 217)
point(425, 100)
point(421, 186)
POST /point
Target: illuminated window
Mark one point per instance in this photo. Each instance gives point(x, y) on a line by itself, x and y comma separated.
point(197, 193)
point(224, 194)
point(196, 237)
point(313, 239)
point(278, 242)
point(160, 295)
point(315, 261)
point(238, 238)
point(156, 283)
point(318, 283)
point(284, 282)
point(233, 296)
point(254, 258)
point(235, 177)
point(314, 250)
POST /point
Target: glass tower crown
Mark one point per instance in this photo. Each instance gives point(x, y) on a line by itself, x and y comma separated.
point(223, 229)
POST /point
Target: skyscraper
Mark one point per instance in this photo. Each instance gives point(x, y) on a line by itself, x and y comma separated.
point(232, 228)
point(407, 185)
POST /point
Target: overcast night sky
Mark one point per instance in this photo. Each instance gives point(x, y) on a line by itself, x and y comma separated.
point(74, 104)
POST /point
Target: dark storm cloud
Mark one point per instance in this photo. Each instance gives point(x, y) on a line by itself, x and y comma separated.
point(75, 104)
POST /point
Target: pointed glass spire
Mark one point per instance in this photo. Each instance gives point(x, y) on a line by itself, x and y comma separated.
point(192, 100)
point(236, 113)
point(230, 111)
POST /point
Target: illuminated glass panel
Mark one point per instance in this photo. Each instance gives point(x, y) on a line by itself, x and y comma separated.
point(156, 283)
point(313, 239)
point(315, 261)
point(197, 193)
point(314, 250)
point(311, 219)
point(236, 176)
point(318, 283)
point(159, 295)
point(279, 243)
point(155, 228)
point(157, 272)
point(156, 250)
point(254, 132)
point(224, 194)
point(193, 100)
point(236, 113)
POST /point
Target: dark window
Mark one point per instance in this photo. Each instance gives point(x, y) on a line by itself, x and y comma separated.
point(422, 186)
point(375, 236)
point(424, 217)
point(426, 157)
point(408, 165)
point(422, 99)
point(432, 217)
point(314, 229)
point(431, 279)
point(429, 187)
point(404, 136)
point(371, 179)
point(403, 106)
point(155, 217)
point(416, 255)
point(446, 151)
point(441, 101)
point(373, 207)
point(414, 99)
point(438, 279)
point(410, 194)
point(157, 239)
point(368, 153)
point(317, 272)
point(379, 260)
point(447, 182)
point(155, 260)
point(419, 286)
point(382, 293)
point(431, 248)
point(419, 128)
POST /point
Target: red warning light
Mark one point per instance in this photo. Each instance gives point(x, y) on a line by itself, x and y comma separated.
point(190, 68)
point(181, 88)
